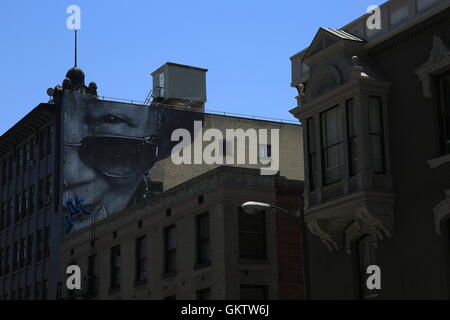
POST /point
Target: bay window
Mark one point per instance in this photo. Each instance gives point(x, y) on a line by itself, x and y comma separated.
point(332, 147)
point(312, 153)
point(376, 136)
point(352, 143)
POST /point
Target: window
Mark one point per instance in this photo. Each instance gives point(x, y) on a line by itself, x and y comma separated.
point(10, 167)
point(366, 256)
point(28, 293)
point(444, 108)
point(352, 142)
point(332, 145)
point(37, 291)
point(16, 253)
point(20, 296)
point(4, 171)
point(249, 292)
point(115, 267)
point(26, 203)
point(47, 242)
point(265, 151)
point(23, 248)
point(18, 207)
point(31, 199)
point(252, 235)
point(204, 294)
point(45, 289)
point(170, 261)
point(2, 215)
point(203, 243)
point(48, 136)
point(92, 274)
point(7, 260)
point(48, 190)
point(19, 160)
point(29, 251)
point(9, 209)
point(41, 193)
point(1, 262)
point(42, 138)
point(312, 153)
point(141, 259)
point(376, 137)
point(26, 156)
point(39, 245)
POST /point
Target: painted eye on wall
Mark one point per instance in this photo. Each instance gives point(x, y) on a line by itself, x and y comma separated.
point(113, 119)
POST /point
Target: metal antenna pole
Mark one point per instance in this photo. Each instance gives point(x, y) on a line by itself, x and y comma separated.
point(75, 47)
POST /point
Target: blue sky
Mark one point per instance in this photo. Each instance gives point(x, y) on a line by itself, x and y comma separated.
point(246, 46)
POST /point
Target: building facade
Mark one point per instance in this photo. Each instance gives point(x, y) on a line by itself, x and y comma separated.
point(81, 158)
point(194, 242)
point(375, 105)
point(30, 224)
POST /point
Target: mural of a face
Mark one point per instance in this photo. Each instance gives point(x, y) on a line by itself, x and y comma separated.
point(108, 149)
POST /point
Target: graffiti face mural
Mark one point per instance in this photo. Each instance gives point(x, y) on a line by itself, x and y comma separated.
point(109, 148)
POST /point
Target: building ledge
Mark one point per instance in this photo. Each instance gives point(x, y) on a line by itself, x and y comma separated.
point(340, 222)
point(439, 161)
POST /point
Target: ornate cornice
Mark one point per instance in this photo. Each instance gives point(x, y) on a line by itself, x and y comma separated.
point(438, 61)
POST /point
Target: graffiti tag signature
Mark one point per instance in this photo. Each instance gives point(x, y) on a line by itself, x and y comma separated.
point(74, 209)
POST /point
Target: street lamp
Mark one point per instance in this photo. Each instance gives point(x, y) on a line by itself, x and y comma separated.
point(253, 207)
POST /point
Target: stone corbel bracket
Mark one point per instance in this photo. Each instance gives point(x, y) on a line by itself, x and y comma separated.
point(438, 61)
point(325, 237)
point(366, 223)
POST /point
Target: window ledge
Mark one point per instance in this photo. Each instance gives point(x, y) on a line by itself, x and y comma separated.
point(439, 161)
point(264, 261)
point(140, 283)
point(202, 265)
point(169, 274)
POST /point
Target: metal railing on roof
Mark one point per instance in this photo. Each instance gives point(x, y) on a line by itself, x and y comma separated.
point(207, 111)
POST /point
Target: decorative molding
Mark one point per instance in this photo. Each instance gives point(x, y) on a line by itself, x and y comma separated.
point(442, 212)
point(438, 61)
point(320, 81)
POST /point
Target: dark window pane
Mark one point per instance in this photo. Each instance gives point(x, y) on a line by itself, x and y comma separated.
point(203, 243)
point(376, 139)
point(312, 158)
point(331, 122)
point(170, 249)
point(252, 235)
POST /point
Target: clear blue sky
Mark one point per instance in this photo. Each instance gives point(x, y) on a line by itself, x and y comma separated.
point(245, 44)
